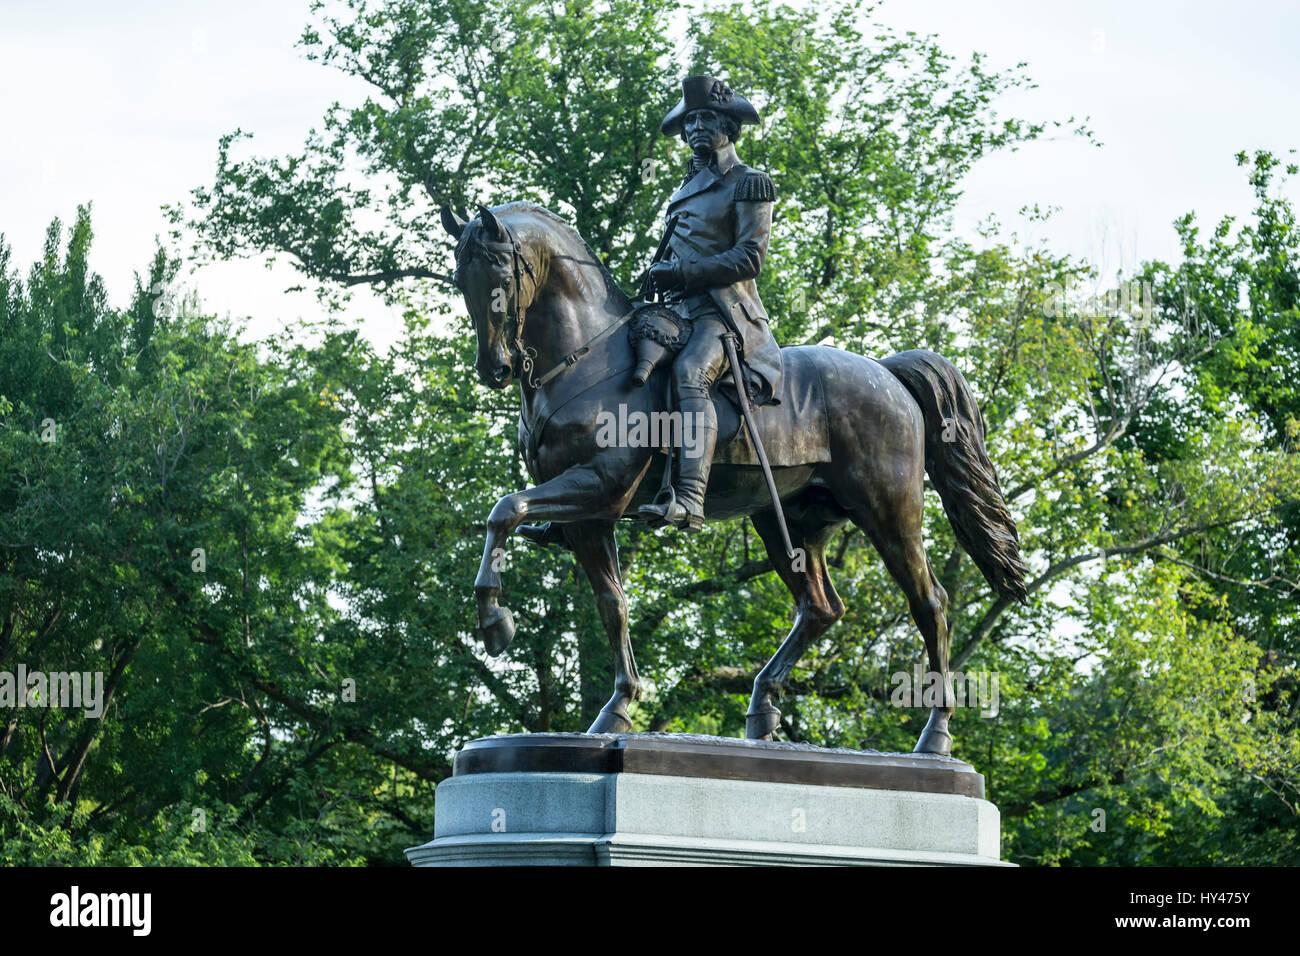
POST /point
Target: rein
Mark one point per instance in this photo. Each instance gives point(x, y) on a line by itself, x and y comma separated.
point(572, 358)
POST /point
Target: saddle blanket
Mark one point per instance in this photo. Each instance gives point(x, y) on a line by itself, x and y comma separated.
point(795, 432)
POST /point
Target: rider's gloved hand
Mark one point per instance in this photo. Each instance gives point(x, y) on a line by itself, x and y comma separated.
point(666, 275)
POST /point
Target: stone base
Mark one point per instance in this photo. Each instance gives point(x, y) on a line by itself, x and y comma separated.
point(676, 799)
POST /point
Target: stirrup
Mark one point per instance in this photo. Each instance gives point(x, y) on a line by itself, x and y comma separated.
point(671, 513)
point(658, 512)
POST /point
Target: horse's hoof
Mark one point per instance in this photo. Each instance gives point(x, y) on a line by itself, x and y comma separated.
point(934, 742)
point(610, 722)
point(497, 631)
point(760, 726)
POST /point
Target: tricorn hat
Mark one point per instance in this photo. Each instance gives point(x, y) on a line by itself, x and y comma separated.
point(707, 93)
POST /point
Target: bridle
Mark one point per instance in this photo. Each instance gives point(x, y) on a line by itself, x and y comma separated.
point(516, 314)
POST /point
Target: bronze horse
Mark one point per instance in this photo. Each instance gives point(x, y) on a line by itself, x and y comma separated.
point(547, 314)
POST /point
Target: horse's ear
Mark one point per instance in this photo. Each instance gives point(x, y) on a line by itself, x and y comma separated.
point(452, 222)
point(494, 230)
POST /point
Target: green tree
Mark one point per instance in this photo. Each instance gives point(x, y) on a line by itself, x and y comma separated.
point(154, 473)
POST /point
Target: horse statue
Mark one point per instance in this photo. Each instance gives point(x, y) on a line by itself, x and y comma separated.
point(547, 314)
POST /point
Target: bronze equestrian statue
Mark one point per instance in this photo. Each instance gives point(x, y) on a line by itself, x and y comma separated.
point(548, 315)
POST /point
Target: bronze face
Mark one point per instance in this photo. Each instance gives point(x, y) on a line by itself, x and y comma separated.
point(705, 132)
point(489, 275)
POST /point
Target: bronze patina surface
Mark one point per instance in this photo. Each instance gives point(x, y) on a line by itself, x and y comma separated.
point(548, 315)
point(724, 758)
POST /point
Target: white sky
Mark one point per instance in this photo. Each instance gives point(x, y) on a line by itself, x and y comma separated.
point(122, 103)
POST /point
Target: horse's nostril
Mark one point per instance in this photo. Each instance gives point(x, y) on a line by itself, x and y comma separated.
point(502, 373)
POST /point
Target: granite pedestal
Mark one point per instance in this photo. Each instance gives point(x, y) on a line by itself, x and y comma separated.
point(683, 799)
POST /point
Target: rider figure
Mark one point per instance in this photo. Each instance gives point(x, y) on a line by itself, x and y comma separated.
point(724, 213)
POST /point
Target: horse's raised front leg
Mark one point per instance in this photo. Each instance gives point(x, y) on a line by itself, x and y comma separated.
point(595, 547)
point(596, 491)
point(566, 497)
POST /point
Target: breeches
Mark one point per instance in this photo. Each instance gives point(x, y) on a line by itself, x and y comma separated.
point(698, 365)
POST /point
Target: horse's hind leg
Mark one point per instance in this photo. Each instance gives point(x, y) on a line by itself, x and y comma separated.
point(817, 606)
point(894, 527)
point(595, 547)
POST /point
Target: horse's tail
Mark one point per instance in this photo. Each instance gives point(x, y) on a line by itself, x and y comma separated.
point(959, 467)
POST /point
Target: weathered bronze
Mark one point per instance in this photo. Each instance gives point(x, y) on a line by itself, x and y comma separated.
point(719, 758)
point(860, 454)
point(721, 217)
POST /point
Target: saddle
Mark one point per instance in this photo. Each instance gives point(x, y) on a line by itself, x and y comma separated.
point(793, 428)
point(794, 431)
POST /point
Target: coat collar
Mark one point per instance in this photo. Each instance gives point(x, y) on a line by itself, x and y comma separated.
point(724, 160)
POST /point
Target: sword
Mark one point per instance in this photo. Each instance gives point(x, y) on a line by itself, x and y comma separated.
point(737, 376)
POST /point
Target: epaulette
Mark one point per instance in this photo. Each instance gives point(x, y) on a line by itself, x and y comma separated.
point(755, 187)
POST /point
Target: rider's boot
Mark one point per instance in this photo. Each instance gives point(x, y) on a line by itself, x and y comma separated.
point(693, 479)
point(685, 509)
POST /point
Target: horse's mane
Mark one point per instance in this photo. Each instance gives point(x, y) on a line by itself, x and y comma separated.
point(471, 241)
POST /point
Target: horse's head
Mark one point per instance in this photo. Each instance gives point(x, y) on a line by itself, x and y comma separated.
point(499, 280)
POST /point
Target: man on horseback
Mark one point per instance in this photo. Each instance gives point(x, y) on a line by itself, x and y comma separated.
point(723, 212)
point(888, 423)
